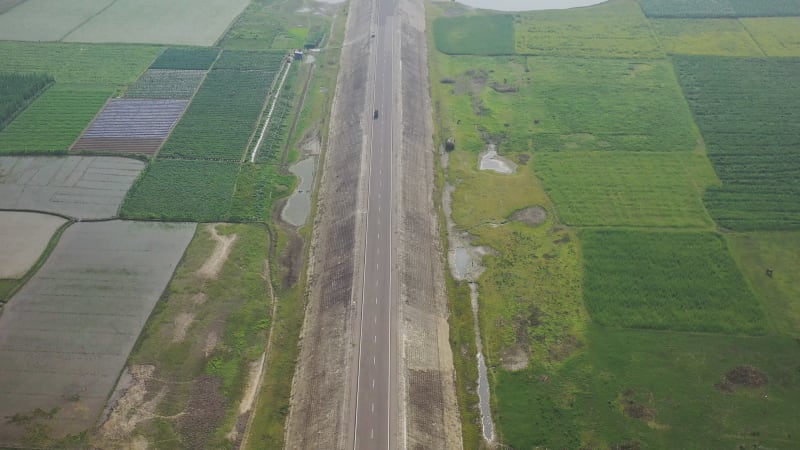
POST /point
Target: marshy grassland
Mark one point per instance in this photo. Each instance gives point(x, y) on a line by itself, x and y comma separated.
point(640, 313)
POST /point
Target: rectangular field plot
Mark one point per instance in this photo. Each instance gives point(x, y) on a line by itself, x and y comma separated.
point(475, 35)
point(17, 91)
point(681, 281)
point(23, 238)
point(222, 116)
point(52, 122)
point(65, 336)
point(748, 111)
point(47, 20)
point(615, 29)
point(723, 37)
point(720, 8)
point(777, 36)
point(131, 126)
point(186, 58)
point(247, 60)
point(181, 22)
point(166, 84)
point(83, 187)
point(5, 5)
point(198, 191)
point(627, 189)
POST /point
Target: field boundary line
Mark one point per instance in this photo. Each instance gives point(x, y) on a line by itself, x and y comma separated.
point(275, 98)
point(88, 19)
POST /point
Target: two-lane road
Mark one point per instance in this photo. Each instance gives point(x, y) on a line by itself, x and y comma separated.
point(374, 390)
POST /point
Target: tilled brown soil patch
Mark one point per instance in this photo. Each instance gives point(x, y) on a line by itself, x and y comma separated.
point(204, 413)
point(117, 145)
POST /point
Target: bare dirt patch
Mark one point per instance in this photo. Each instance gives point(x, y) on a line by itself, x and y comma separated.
point(23, 238)
point(533, 216)
point(203, 414)
point(515, 358)
point(220, 254)
point(564, 347)
point(742, 376)
point(633, 405)
point(132, 408)
point(182, 323)
point(211, 343)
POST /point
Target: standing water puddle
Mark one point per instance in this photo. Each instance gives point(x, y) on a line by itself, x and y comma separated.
point(490, 160)
point(298, 206)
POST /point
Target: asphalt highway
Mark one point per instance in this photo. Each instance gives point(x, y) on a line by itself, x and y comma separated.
point(376, 388)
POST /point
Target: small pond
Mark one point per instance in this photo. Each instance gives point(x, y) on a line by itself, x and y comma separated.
point(528, 5)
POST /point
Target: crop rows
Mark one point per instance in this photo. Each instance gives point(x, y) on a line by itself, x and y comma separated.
point(16, 91)
point(749, 113)
point(166, 83)
point(276, 133)
point(221, 118)
point(197, 191)
point(247, 60)
point(53, 122)
point(131, 126)
point(682, 281)
point(720, 8)
point(186, 58)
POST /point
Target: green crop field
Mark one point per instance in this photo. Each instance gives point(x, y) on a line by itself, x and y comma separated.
point(222, 116)
point(247, 60)
point(277, 133)
point(279, 25)
point(545, 103)
point(106, 66)
point(654, 390)
point(776, 36)
point(197, 191)
point(186, 58)
point(682, 281)
point(258, 187)
point(475, 35)
point(627, 189)
point(166, 84)
point(720, 8)
point(723, 37)
point(748, 111)
point(52, 122)
point(616, 29)
point(17, 91)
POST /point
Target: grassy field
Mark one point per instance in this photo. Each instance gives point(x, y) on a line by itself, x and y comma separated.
point(776, 36)
point(645, 389)
point(222, 116)
point(182, 190)
point(202, 338)
point(615, 29)
point(92, 66)
point(779, 293)
point(720, 8)
point(181, 58)
point(722, 37)
point(181, 22)
point(544, 103)
point(680, 281)
point(627, 189)
point(258, 187)
point(53, 122)
point(280, 24)
point(475, 35)
point(748, 110)
point(17, 91)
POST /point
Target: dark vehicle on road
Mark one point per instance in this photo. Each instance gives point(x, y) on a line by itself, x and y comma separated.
point(375, 114)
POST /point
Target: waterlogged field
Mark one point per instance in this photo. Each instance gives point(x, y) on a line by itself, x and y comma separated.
point(183, 22)
point(747, 111)
point(65, 336)
point(627, 189)
point(194, 372)
point(23, 238)
point(615, 29)
point(222, 116)
point(186, 58)
point(475, 35)
point(82, 187)
point(680, 281)
point(17, 91)
point(723, 37)
point(776, 36)
point(47, 20)
point(198, 191)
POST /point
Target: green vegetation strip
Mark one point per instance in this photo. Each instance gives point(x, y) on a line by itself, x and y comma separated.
point(720, 8)
point(248, 60)
point(17, 91)
point(681, 281)
point(52, 122)
point(723, 37)
point(748, 111)
point(186, 58)
point(475, 35)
